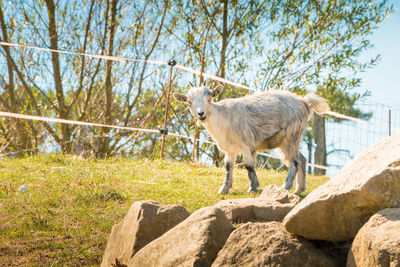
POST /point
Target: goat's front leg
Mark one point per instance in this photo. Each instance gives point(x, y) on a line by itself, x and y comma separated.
point(229, 165)
point(249, 161)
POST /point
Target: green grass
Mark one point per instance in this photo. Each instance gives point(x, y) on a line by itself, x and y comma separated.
point(66, 215)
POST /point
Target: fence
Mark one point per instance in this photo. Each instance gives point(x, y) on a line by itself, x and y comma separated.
point(344, 140)
point(347, 139)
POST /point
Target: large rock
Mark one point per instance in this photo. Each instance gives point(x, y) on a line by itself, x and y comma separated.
point(144, 222)
point(272, 205)
point(378, 241)
point(280, 194)
point(339, 208)
point(194, 242)
point(269, 244)
point(254, 210)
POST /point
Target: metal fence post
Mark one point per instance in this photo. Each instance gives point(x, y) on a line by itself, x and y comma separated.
point(390, 122)
point(164, 131)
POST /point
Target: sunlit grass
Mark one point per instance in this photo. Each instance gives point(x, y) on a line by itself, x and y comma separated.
point(71, 204)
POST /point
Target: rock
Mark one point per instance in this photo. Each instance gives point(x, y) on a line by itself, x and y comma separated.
point(269, 244)
point(337, 250)
point(378, 241)
point(276, 193)
point(339, 208)
point(194, 242)
point(144, 222)
point(272, 205)
point(254, 210)
point(23, 188)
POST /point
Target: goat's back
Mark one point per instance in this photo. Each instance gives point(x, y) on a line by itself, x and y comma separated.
point(262, 115)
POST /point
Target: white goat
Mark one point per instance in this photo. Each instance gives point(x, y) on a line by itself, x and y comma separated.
point(263, 121)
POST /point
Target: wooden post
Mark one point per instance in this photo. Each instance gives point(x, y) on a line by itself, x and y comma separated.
point(171, 63)
point(195, 121)
point(194, 140)
point(390, 122)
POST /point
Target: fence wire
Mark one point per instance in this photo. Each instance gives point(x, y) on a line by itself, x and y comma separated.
point(347, 139)
point(344, 140)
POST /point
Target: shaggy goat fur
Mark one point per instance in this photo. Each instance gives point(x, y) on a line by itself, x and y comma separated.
point(263, 121)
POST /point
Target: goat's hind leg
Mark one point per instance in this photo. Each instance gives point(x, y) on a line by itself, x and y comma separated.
point(301, 173)
point(291, 174)
point(294, 160)
point(249, 161)
point(229, 165)
point(297, 168)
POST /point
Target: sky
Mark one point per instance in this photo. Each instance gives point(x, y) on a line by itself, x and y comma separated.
point(383, 80)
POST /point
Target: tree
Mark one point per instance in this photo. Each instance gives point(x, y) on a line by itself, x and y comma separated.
point(300, 45)
point(73, 86)
point(62, 107)
point(108, 92)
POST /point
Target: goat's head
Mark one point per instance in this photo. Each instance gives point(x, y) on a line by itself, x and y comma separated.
point(199, 99)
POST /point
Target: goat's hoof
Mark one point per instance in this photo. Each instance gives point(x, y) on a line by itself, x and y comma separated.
point(299, 191)
point(251, 189)
point(288, 188)
point(223, 190)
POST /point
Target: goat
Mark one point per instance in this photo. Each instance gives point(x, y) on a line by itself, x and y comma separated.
point(262, 121)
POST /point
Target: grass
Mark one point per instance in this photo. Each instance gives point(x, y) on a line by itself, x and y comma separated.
point(71, 204)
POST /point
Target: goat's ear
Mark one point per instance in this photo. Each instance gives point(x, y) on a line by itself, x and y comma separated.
point(217, 90)
point(181, 98)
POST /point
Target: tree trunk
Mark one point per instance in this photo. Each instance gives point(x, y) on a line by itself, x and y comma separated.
point(105, 143)
point(53, 35)
point(320, 141)
point(225, 36)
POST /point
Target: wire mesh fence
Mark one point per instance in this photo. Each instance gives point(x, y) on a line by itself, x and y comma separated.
point(347, 139)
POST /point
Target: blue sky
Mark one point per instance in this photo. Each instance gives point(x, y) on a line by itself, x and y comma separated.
point(384, 79)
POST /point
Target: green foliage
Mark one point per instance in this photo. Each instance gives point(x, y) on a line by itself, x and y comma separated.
point(299, 45)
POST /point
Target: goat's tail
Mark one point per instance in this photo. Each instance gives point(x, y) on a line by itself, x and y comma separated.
point(317, 103)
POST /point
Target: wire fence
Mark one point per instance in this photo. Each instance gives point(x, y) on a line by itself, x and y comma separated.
point(347, 139)
point(344, 140)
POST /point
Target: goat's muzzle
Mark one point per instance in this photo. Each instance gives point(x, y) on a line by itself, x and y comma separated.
point(201, 116)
